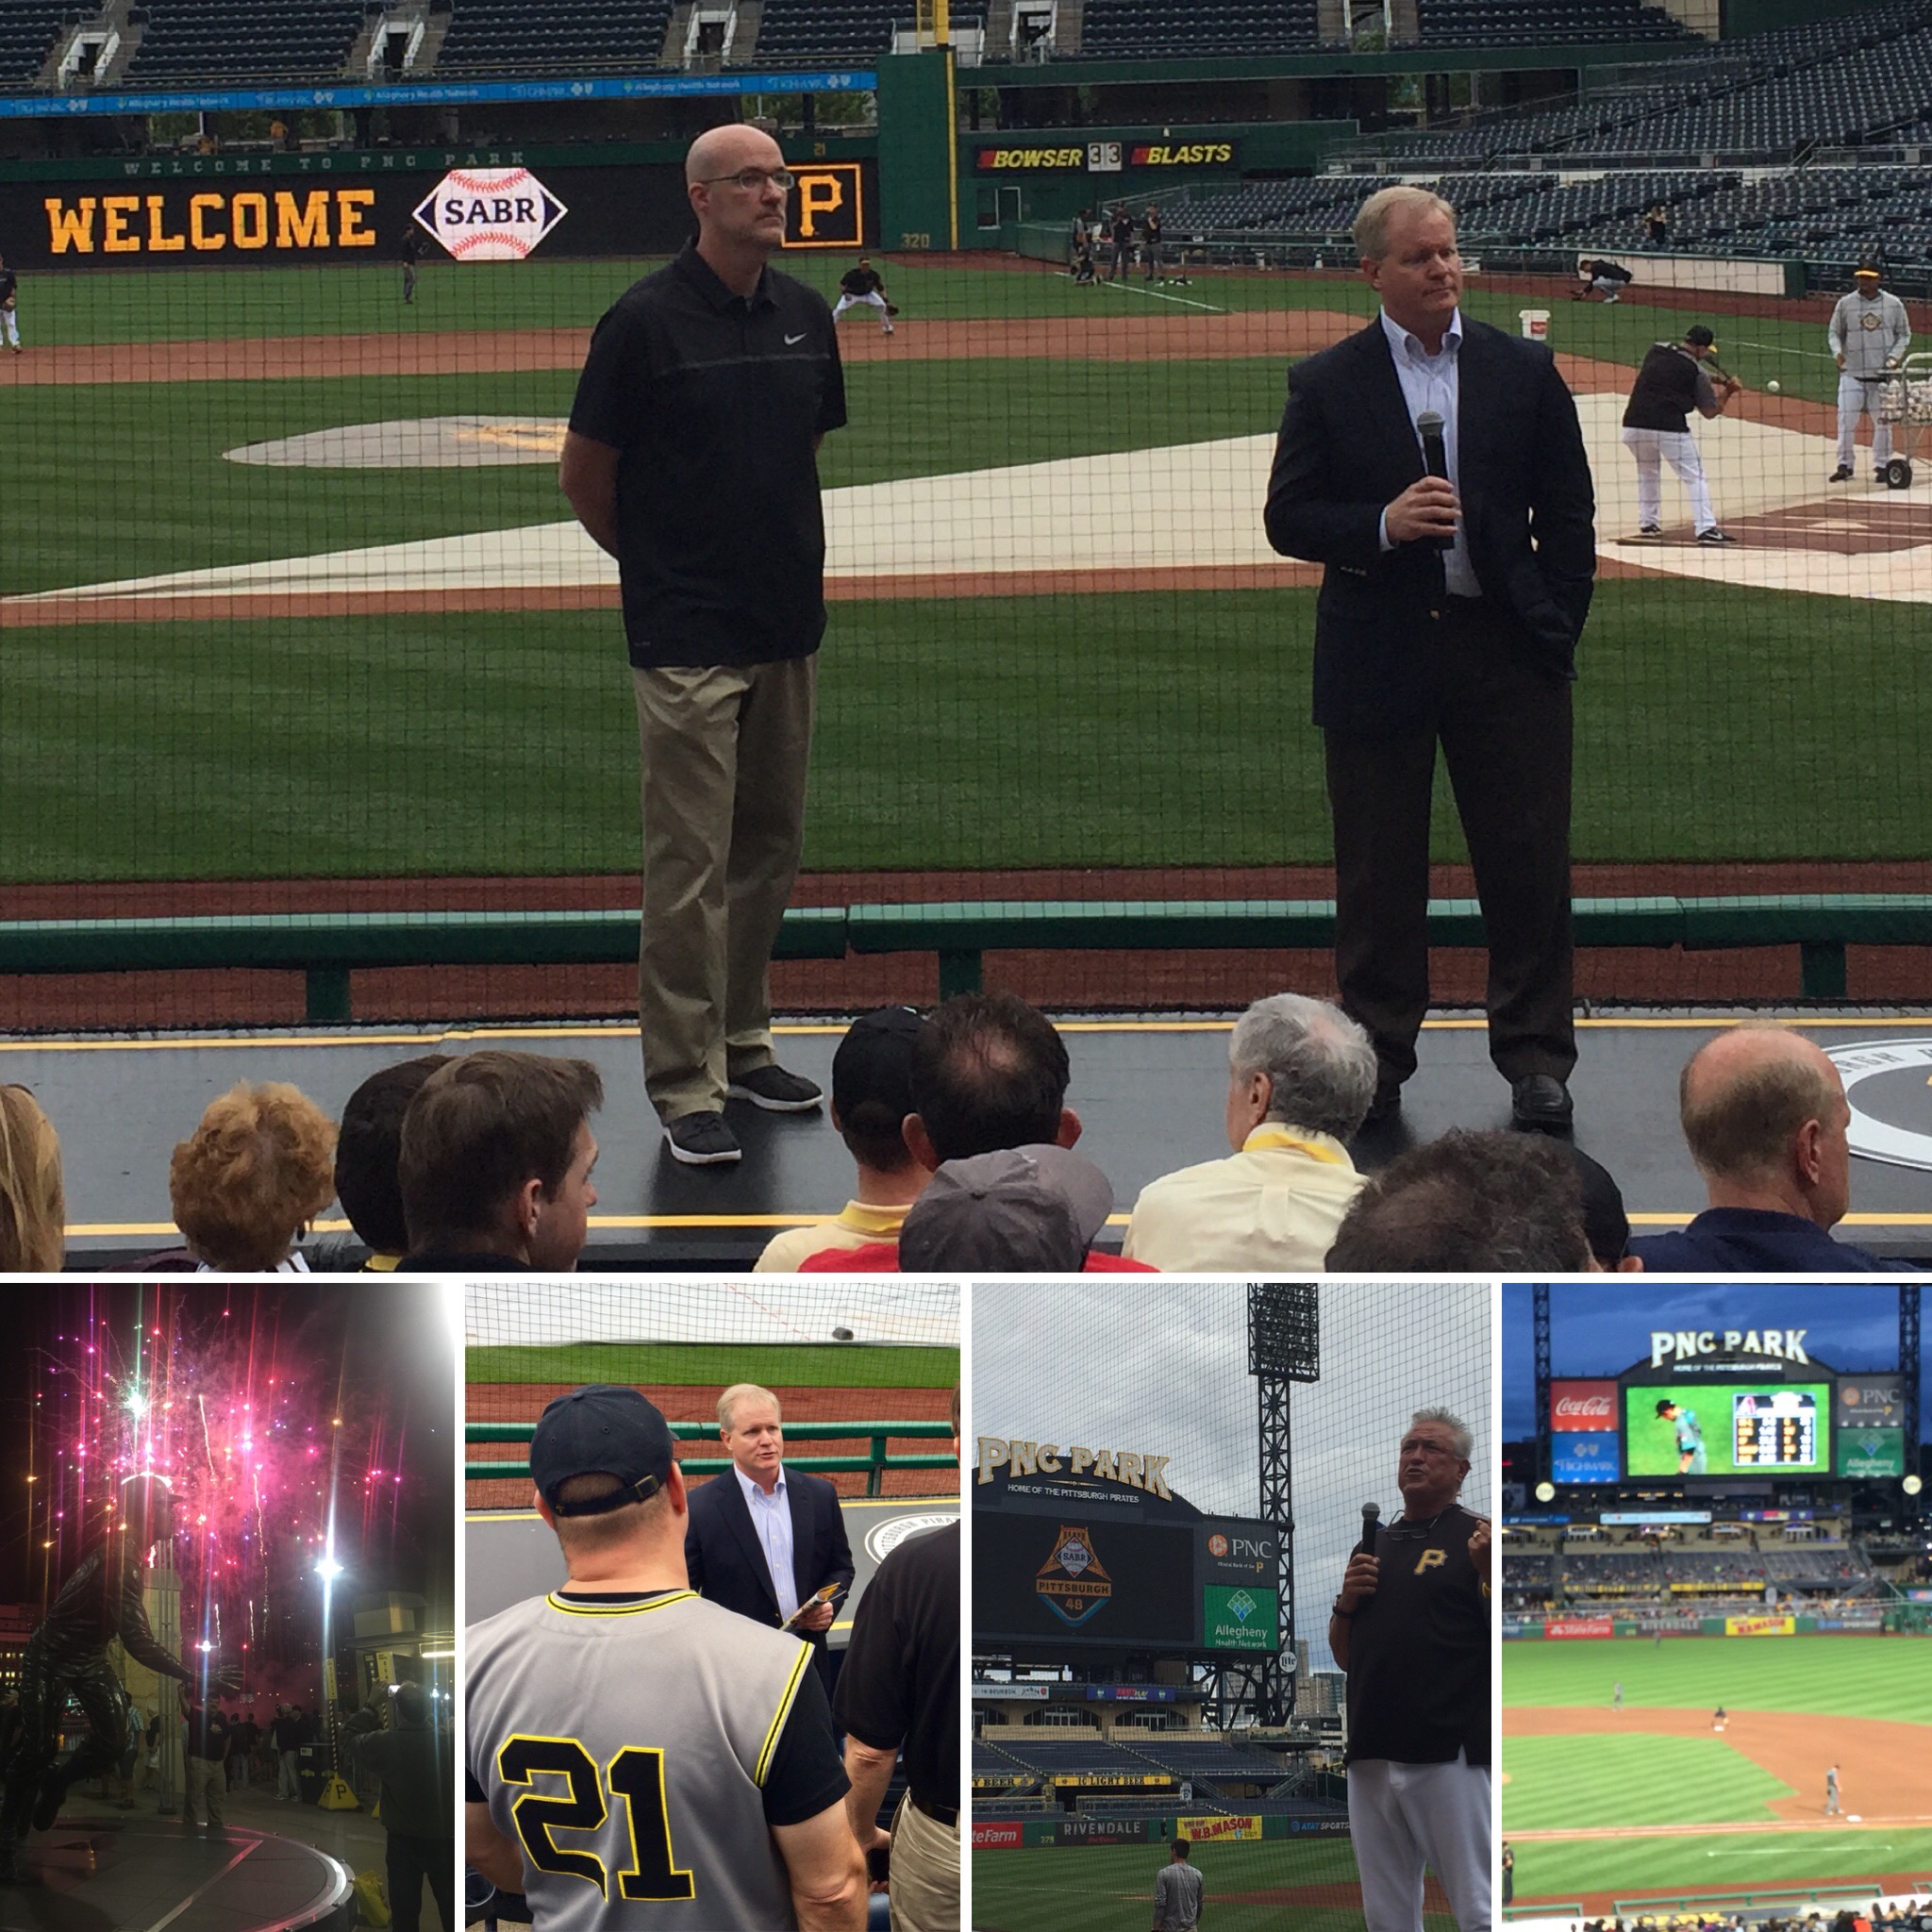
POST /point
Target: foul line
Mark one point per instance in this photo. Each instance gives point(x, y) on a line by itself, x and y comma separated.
point(1154, 295)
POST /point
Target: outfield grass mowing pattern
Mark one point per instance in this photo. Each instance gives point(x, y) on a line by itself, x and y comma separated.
point(1633, 1779)
point(700, 1364)
point(1572, 1868)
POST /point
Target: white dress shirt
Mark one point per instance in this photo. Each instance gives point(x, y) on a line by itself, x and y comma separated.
point(1435, 382)
point(770, 1517)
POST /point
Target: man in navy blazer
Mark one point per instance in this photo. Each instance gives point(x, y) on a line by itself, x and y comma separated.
point(761, 1539)
point(1449, 613)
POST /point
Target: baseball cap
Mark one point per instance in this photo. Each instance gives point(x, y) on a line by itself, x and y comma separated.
point(1700, 335)
point(601, 1430)
point(874, 1061)
point(1017, 1209)
point(1867, 268)
point(1606, 1221)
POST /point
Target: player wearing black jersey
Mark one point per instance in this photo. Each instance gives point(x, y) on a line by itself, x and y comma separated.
point(1411, 1629)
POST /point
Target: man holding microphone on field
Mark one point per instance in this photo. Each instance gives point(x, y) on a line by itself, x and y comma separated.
point(1411, 1629)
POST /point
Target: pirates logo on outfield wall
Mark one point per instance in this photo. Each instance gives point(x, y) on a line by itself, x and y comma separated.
point(490, 214)
point(1073, 1582)
point(1889, 1084)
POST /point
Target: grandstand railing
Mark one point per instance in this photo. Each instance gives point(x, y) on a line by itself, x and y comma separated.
point(328, 948)
point(875, 1463)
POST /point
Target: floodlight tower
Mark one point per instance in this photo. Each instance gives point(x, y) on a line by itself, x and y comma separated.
point(1284, 1347)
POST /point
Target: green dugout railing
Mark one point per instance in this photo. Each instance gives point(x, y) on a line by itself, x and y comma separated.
point(328, 947)
point(875, 1462)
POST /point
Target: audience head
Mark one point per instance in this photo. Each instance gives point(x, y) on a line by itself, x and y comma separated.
point(606, 1473)
point(1301, 1063)
point(1606, 1222)
point(368, 1145)
point(497, 1153)
point(1014, 1211)
point(988, 1072)
point(257, 1171)
point(33, 1203)
point(1766, 1120)
point(872, 1088)
point(1468, 1203)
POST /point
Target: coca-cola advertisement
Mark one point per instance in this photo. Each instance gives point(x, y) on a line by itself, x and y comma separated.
point(1577, 1407)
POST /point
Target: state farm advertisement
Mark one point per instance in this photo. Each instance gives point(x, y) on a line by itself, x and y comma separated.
point(989, 1837)
point(1580, 1407)
point(1579, 1626)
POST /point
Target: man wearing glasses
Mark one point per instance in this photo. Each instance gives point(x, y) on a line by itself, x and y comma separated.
point(691, 458)
point(1411, 1629)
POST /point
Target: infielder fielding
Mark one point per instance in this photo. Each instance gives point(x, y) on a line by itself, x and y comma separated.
point(9, 306)
point(1869, 334)
point(639, 1758)
point(863, 284)
point(1411, 1629)
point(1656, 428)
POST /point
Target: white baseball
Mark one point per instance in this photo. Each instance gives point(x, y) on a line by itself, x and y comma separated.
point(1773, 387)
point(494, 183)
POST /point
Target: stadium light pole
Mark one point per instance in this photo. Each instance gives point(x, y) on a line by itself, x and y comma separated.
point(1539, 1316)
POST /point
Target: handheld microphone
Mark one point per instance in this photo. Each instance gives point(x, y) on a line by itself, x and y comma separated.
point(1428, 426)
point(1372, 1515)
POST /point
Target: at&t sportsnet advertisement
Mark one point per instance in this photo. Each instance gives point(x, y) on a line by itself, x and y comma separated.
point(1727, 1429)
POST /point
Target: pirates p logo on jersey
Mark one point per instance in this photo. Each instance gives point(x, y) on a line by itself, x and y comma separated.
point(1431, 1559)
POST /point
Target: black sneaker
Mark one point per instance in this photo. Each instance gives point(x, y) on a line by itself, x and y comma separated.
point(775, 1091)
point(1650, 529)
point(1841, 474)
point(1715, 535)
point(702, 1140)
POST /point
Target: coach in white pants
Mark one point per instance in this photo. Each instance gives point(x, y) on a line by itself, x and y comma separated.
point(1870, 333)
point(1411, 1629)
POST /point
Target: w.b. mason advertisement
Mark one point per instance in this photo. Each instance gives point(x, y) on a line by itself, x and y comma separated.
point(291, 210)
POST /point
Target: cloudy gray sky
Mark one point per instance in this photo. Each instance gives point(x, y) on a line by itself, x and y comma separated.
point(1161, 1366)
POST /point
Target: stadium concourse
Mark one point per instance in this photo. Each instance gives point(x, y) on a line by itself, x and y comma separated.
point(1150, 1092)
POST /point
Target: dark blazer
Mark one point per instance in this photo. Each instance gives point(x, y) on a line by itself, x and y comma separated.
point(1753, 1240)
point(727, 1562)
point(1347, 450)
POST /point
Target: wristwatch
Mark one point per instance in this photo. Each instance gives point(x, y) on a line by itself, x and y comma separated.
point(1335, 1610)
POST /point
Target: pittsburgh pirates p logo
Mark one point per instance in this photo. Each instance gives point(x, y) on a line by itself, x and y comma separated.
point(1431, 1559)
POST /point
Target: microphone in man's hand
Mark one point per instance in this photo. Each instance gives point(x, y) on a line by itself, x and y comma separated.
point(1428, 426)
point(1372, 1515)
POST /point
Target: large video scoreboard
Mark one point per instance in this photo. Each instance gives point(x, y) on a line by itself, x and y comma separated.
point(1727, 1429)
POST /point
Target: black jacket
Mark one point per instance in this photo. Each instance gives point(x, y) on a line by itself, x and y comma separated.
point(727, 1562)
point(1347, 449)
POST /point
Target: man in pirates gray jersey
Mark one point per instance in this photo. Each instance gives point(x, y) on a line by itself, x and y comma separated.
point(637, 1756)
point(1869, 334)
point(1177, 1891)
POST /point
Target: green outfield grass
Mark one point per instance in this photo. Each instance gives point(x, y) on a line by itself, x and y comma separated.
point(803, 1365)
point(1568, 1867)
point(1110, 1888)
point(1162, 728)
point(1850, 1676)
point(1633, 1780)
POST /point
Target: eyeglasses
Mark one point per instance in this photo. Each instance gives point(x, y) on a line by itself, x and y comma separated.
point(753, 179)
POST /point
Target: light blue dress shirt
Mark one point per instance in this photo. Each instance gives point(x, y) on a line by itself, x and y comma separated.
point(770, 1516)
point(1435, 382)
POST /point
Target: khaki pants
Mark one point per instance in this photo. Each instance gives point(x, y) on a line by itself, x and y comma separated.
point(925, 1891)
point(722, 790)
point(205, 1782)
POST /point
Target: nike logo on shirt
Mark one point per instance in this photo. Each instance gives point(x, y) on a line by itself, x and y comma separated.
point(791, 340)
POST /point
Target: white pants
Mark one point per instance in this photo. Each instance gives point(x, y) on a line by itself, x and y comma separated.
point(875, 301)
point(1404, 1816)
point(1856, 396)
point(9, 326)
point(1652, 448)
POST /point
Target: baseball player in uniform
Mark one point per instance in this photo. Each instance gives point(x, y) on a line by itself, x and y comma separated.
point(1831, 1803)
point(1689, 1434)
point(1411, 1629)
point(639, 1758)
point(9, 306)
point(1869, 334)
point(1656, 428)
point(859, 284)
point(1150, 245)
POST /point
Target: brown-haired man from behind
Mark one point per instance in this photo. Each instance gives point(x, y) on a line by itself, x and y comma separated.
point(496, 1160)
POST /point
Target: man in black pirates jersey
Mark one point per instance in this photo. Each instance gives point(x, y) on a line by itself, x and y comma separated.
point(862, 284)
point(639, 1758)
point(1411, 1629)
point(67, 1657)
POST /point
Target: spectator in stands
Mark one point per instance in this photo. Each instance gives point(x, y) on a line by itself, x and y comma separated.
point(872, 1094)
point(1301, 1076)
point(1603, 278)
point(1869, 334)
point(1656, 226)
point(1765, 1116)
point(256, 1172)
point(1019, 1210)
point(33, 1202)
point(369, 1146)
point(898, 1695)
point(1671, 383)
point(496, 1160)
point(1468, 1203)
point(1606, 1222)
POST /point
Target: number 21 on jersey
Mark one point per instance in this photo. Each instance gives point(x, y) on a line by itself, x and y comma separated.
point(635, 1776)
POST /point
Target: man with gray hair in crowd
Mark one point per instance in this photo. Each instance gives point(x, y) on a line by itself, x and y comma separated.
point(1411, 1629)
point(1301, 1076)
point(1765, 1116)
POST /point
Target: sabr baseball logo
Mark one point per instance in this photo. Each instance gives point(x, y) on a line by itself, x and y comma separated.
point(883, 1539)
point(1072, 1583)
point(1886, 1084)
point(490, 214)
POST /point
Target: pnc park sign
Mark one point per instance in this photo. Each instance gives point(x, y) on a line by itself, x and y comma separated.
point(1136, 1470)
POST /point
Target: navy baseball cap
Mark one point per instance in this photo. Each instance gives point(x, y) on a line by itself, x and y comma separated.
point(1700, 335)
point(874, 1061)
point(601, 1430)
